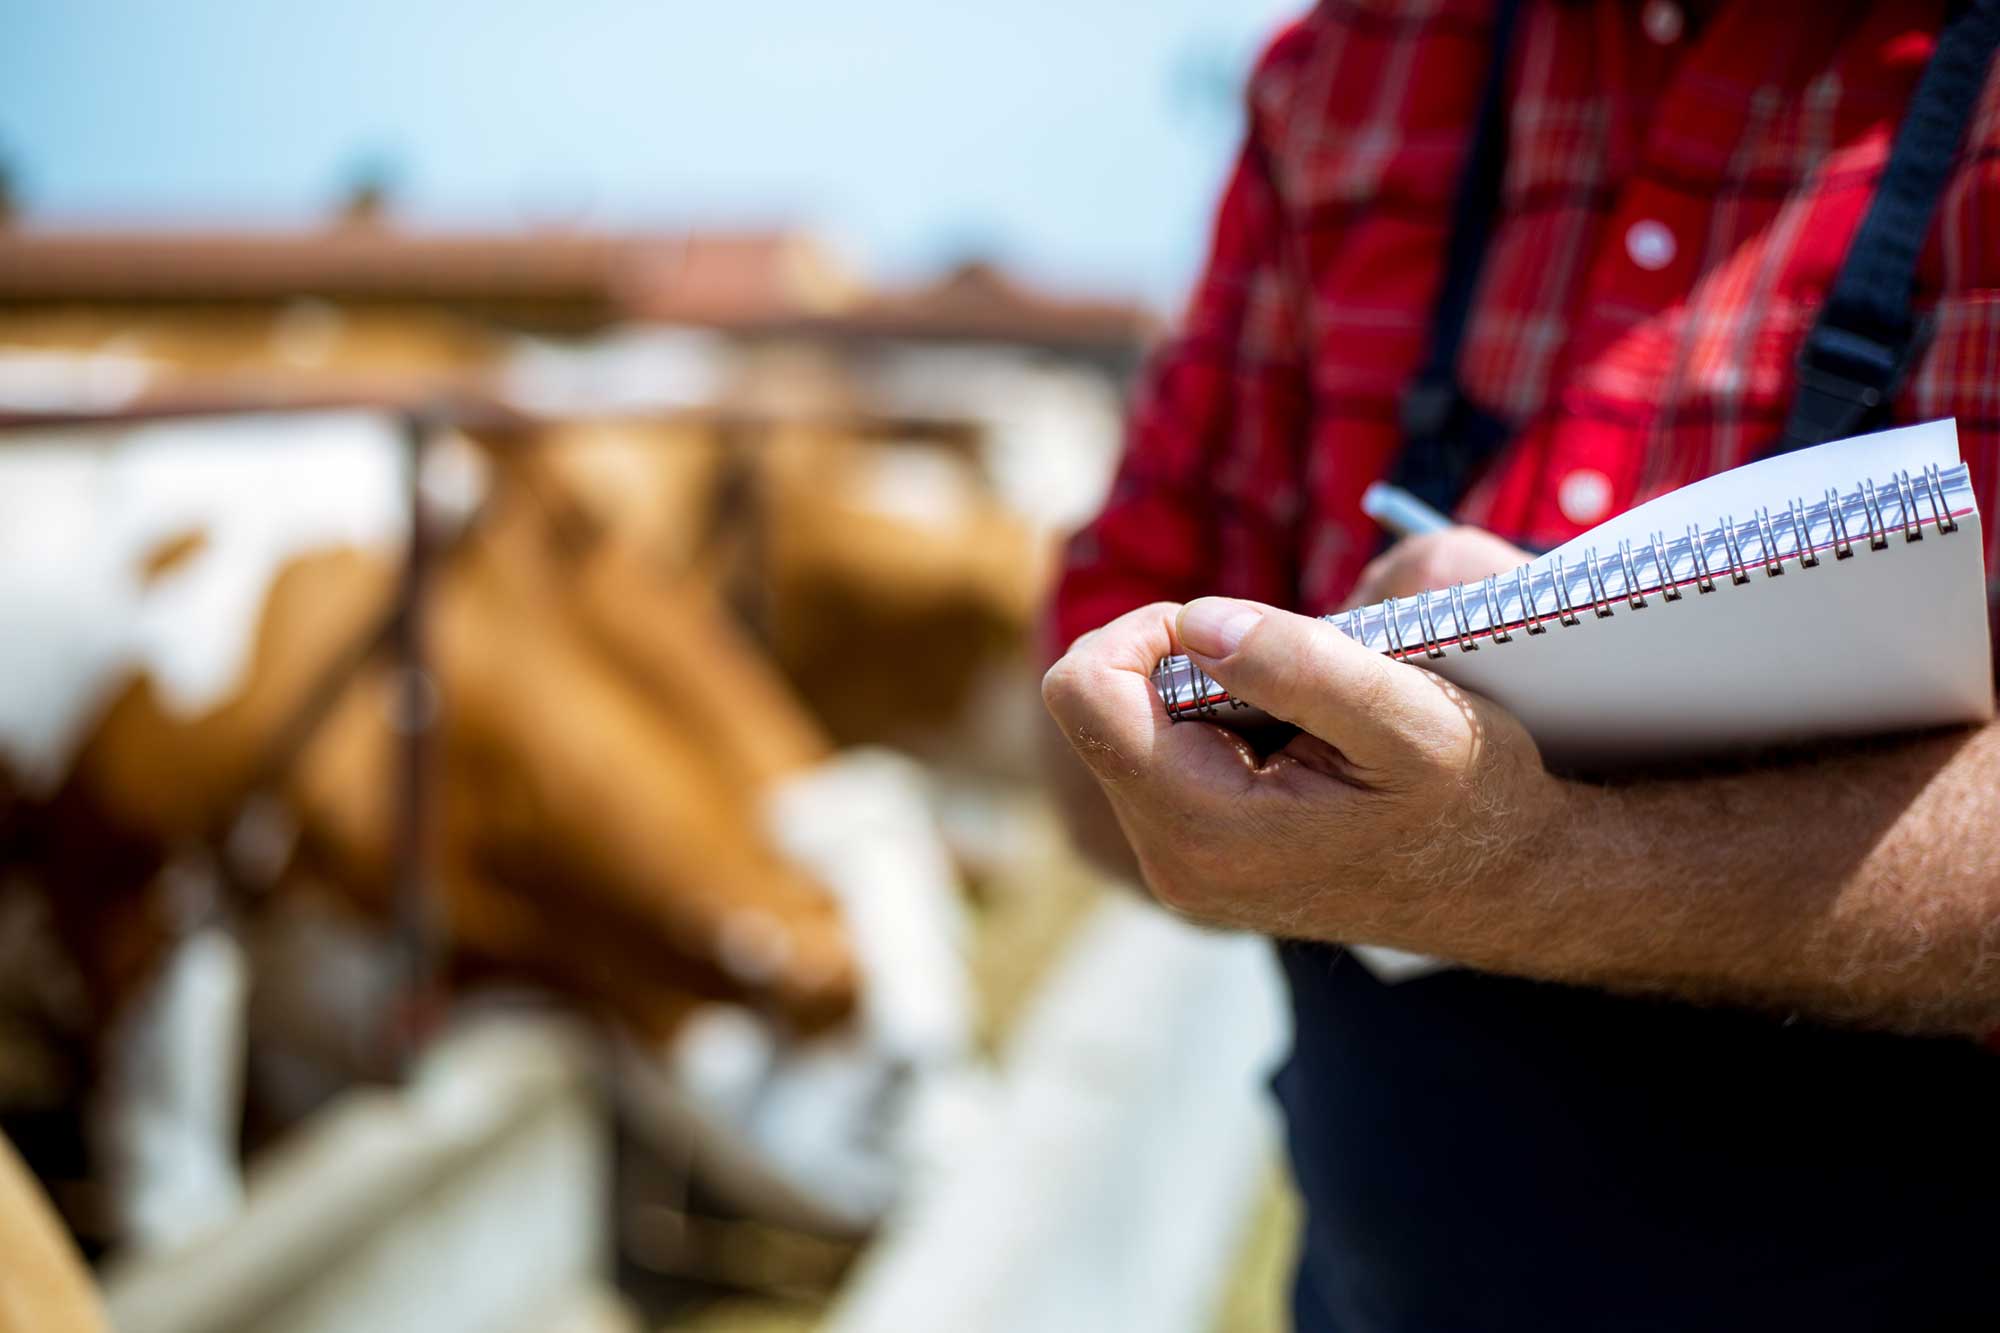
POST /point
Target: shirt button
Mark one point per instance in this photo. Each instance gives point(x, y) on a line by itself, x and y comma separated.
point(1663, 21)
point(1584, 496)
point(1650, 245)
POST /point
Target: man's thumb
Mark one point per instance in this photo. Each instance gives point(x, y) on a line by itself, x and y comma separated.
point(1300, 670)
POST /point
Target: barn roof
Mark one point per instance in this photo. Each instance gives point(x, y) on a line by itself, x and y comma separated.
point(748, 280)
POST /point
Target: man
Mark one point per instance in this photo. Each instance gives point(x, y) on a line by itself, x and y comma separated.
point(1712, 1060)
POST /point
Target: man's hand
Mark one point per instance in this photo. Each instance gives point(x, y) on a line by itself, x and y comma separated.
point(1861, 885)
point(1401, 793)
point(1435, 560)
point(1399, 787)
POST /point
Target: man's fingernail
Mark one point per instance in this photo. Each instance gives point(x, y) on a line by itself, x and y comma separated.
point(1213, 626)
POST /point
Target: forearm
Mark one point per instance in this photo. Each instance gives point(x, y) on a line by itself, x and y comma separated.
point(1862, 886)
point(1859, 886)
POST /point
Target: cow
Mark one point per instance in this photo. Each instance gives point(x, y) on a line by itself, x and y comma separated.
point(609, 751)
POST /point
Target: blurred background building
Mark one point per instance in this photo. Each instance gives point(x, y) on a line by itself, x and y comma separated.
point(521, 534)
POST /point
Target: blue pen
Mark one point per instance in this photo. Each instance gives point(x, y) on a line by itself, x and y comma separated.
point(1400, 513)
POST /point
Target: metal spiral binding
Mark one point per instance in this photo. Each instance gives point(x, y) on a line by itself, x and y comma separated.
point(1906, 496)
point(1843, 545)
point(1878, 519)
point(1940, 507)
point(1634, 594)
point(1801, 537)
point(1528, 616)
point(1704, 577)
point(1493, 616)
point(1773, 565)
point(1536, 596)
point(1392, 627)
point(1600, 596)
point(1737, 573)
point(1565, 614)
point(1432, 648)
point(1669, 590)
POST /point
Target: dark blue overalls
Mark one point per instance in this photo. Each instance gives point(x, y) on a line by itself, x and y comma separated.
point(1483, 1153)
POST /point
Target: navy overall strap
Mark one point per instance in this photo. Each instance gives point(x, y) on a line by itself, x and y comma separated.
point(1858, 350)
point(1446, 440)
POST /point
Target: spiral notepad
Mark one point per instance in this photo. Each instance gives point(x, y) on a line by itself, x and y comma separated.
point(1835, 591)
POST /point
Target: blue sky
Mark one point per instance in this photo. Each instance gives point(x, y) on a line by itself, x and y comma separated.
point(1081, 140)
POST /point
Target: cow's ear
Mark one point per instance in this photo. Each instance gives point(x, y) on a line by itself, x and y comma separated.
point(170, 553)
point(573, 529)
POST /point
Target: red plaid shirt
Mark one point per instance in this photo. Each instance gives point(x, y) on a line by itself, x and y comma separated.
point(1678, 197)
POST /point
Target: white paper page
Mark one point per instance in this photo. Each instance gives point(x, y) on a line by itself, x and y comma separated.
point(1815, 652)
point(1888, 640)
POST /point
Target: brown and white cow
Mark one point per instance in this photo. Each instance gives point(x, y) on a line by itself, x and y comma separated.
point(610, 752)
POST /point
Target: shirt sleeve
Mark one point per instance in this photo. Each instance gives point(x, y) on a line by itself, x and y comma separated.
point(1226, 389)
